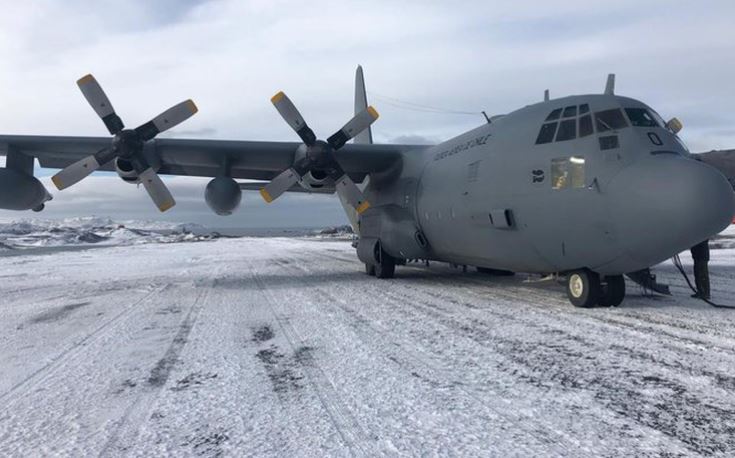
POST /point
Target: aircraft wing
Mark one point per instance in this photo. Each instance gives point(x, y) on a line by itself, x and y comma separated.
point(258, 160)
point(724, 160)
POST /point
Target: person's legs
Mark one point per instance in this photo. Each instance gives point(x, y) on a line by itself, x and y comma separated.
point(700, 255)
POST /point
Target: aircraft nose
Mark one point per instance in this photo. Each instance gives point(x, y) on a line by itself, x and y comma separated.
point(666, 204)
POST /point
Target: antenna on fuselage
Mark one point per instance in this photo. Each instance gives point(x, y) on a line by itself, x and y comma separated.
point(487, 118)
point(610, 85)
point(546, 96)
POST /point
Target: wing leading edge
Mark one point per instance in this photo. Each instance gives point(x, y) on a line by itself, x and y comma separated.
point(258, 160)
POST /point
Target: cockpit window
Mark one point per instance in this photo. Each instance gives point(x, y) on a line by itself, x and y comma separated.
point(554, 115)
point(546, 134)
point(584, 108)
point(640, 117)
point(585, 126)
point(610, 120)
point(567, 130)
point(570, 111)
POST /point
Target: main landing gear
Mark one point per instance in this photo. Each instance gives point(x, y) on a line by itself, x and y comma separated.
point(586, 289)
point(385, 267)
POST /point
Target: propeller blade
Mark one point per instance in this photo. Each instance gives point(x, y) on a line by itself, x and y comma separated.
point(96, 97)
point(294, 119)
point(349, 191)
point(81, 169)
point(158, 191)
point(166, 120)
point(279, 185)
point(360, 122)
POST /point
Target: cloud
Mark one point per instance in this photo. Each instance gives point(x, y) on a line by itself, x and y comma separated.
point(230, 56)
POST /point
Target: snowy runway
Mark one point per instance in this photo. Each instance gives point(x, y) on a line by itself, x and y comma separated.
point(268, 346)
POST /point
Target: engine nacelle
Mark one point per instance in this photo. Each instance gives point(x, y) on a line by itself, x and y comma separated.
point(20, 191)
point(223, 195)
point(315, 180)
point(125, 170)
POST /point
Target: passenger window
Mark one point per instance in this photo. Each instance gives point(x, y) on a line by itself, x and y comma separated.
point(584, 108)
point(585, 126)
point(546, 135)
point(640, 117)
point(554, 115)
point(610, 120)
point(567, 172)
point(570, 111)
point(567, 130)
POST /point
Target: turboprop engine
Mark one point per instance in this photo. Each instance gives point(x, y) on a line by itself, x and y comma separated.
point(315, 179)
point(223, 195)
point(20, 191)
point(126, 171)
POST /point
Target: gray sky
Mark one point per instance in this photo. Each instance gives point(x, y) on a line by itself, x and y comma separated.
point(231, 56)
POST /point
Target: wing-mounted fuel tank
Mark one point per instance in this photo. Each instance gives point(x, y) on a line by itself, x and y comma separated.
point(19, 189)
point(223, 195)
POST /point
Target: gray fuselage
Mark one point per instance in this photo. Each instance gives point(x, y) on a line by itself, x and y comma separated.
point(621, 197)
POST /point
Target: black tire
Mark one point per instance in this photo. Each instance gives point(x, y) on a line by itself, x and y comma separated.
point(370, 269)
point(613, 292)
point(386, 268)
point(583, 288)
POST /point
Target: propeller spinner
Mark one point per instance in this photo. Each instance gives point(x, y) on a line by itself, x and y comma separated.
point(319, 154)
point(126, 143)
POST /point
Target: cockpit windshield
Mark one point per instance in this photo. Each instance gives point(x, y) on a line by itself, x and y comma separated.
point(640, 117)
point(610, 120)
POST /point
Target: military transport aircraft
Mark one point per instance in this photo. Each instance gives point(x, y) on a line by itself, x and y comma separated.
point(588, 186)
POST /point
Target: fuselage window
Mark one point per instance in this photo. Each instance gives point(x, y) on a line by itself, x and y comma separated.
point(546, 135)
point(567, 172)
point(585, 126)
point(554, 115)
point(584, 108)
point(570, 111)
point(640, 117)
point(567, 130)
point(610, 120)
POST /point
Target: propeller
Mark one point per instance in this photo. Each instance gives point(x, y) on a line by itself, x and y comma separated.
point(319, 154)
point(126, 143)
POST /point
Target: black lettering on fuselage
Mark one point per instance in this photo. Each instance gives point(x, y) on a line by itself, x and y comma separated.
point(478, 141)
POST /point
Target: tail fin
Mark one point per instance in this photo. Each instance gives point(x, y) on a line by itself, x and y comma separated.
point(365, 138)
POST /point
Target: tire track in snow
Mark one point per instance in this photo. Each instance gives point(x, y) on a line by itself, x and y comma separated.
point(695, 415)
point(345, 423)
point(415, 362)
point(128, 426)
point(65, 357)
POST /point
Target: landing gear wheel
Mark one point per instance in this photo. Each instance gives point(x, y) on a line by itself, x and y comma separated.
point(386, 266)
point(583, 288)
point(370, 269)
point(613, 292)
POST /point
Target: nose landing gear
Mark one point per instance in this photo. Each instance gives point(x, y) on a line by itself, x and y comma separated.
point(586, 289)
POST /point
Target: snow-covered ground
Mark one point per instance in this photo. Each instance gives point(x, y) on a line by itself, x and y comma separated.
point(275, 346)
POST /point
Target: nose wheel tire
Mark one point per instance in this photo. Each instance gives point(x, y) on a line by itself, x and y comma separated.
point(370, 269)
point(584, 288)
point(613, 291)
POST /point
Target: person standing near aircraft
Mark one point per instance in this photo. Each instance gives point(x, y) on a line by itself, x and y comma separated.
point(700, 255)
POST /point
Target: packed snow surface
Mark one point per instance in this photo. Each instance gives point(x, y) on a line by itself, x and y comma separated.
point(275, 346)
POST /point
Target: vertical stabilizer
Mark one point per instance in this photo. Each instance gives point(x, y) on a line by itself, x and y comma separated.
point(365, 138)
